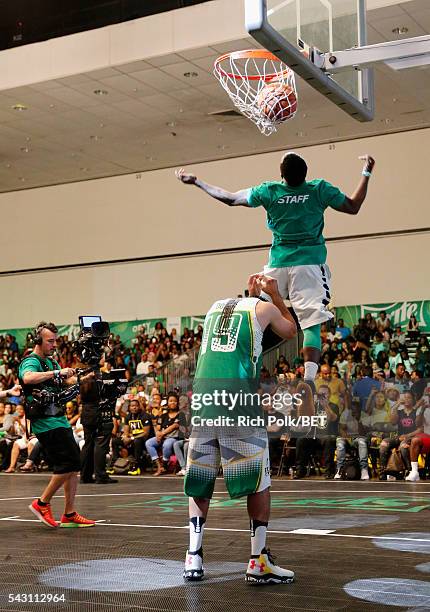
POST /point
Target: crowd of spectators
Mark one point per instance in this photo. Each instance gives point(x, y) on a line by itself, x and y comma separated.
point(371, 393)
point(146, 356)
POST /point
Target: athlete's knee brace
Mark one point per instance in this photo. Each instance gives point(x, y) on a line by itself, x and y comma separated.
point(312, 337)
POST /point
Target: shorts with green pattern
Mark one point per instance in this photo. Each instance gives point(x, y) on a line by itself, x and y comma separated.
point(242, 452)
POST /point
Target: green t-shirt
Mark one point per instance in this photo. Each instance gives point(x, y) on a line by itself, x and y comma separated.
point(32, 364)
point(295, 215)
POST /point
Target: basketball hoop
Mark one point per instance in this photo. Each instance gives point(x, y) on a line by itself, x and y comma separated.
point(261, 86)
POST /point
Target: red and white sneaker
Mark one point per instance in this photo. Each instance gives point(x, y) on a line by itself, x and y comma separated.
point(262, 570)
point(76, 521)
point(43, 513)
point(193, 570)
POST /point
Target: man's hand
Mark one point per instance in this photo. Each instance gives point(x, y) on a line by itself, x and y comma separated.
point(370, 162)
point(188, 179)
point(270, 286)
point(16, 390)
point(254, 285)
point(67, 372)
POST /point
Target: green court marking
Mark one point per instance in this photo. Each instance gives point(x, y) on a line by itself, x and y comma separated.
point(170, 503)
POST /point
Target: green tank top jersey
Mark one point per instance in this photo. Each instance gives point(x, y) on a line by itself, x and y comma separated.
point(295, 215)
point(233, 353)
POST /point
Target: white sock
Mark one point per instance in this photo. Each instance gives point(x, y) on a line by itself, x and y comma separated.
point(311, 370)
point(258, 536)
point(196, 533)
point(414, 465)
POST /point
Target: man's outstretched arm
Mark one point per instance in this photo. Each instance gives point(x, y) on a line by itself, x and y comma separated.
point(238, 198)
point(352, 205)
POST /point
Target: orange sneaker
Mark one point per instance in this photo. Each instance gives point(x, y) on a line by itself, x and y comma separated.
point(76, 521)
point(43, 513)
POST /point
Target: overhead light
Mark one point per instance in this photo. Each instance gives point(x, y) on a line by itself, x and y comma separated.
point(24, 149)
point(95, 137)
point(171, 124)
point(101, 92)
point(191, 75)
point(19, 107)
point(400, 30)
point(8, 166)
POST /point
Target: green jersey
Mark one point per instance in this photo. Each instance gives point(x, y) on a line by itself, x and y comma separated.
point(32, 364)
point(234, 353)
point(229, 361)
point(295, 215)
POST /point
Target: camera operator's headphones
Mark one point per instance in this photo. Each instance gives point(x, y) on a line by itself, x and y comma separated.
point(38, 332)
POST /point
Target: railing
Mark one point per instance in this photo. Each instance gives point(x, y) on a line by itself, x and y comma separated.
point(179, 373)
point(288, 348)
point(176, 373)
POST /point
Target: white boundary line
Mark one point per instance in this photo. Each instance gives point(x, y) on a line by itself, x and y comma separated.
point(181, 493)
point(235, 530)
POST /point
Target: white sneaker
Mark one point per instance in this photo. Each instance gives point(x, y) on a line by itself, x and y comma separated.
point(364, 474)
point(262, 570)
point(413, 477)
point(337, 476)
point(181, 472)
point(194, 566)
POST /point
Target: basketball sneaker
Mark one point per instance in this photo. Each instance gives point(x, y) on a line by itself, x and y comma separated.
point(262, 570)
point(135, 472)
point(43, 513)
point(76, 521)
point(364, 474)
point(194, 565)
point(413, 476)
point(338, 475)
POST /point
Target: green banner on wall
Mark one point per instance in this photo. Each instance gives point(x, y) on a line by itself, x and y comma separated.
point(127, 330)
point(398, 313)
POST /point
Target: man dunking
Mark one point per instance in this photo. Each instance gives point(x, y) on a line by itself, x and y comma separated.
point(231, 353)
point(295, 213)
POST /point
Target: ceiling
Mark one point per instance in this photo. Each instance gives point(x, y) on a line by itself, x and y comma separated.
point(149, 115)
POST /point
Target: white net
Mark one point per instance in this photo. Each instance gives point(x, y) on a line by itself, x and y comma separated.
point(261, 86)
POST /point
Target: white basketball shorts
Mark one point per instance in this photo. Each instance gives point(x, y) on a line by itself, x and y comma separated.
point(308, 289)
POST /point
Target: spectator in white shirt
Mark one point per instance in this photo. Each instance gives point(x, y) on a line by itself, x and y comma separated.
point(143, 366)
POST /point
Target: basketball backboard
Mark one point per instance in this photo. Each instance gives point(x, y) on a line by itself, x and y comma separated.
point(295, 30)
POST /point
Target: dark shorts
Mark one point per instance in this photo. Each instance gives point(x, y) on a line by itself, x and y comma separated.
point(425, 440)
point(61, 450)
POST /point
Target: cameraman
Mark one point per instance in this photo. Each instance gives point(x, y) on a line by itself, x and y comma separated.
point(39, 371)
point(97, 432)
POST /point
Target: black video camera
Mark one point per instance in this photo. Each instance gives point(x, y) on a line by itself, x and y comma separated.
point(90, 347)
point(92, 340)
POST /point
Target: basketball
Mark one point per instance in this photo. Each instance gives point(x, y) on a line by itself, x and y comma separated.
point(277, 101)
